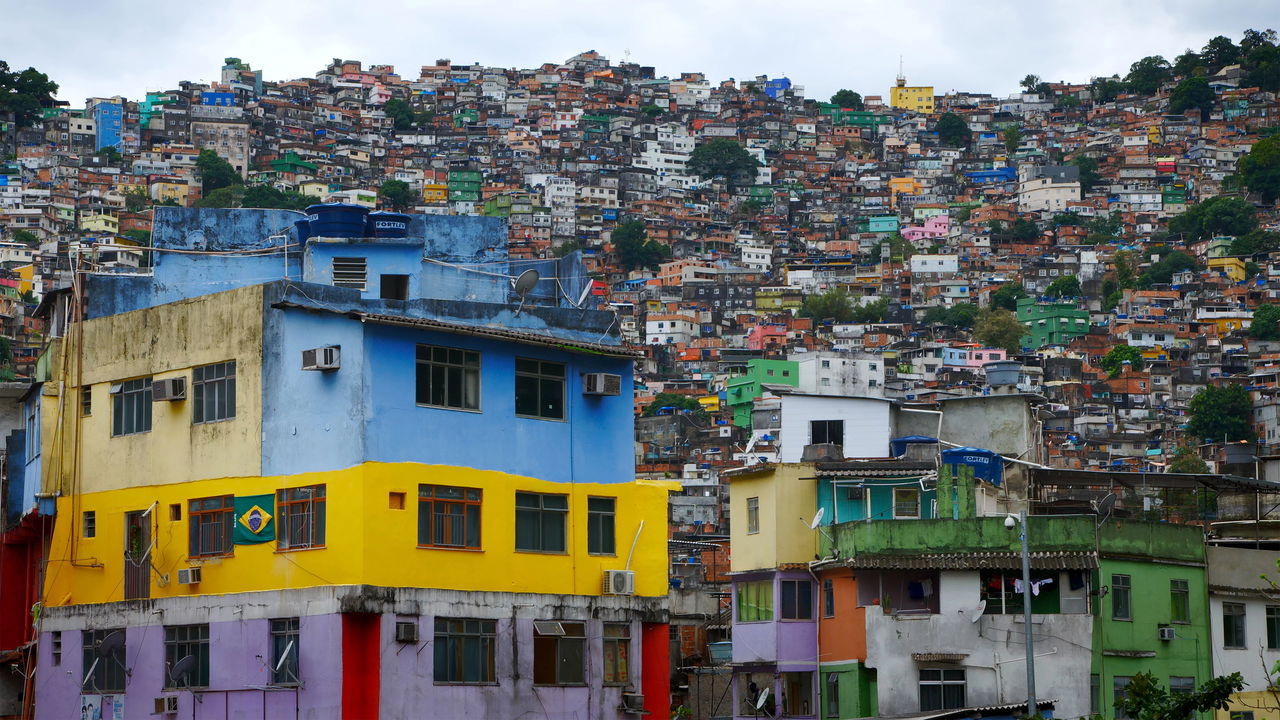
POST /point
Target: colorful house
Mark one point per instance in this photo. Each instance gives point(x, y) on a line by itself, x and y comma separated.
point(295, 505)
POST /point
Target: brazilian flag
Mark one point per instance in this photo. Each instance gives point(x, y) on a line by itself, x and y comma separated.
point(254, 521)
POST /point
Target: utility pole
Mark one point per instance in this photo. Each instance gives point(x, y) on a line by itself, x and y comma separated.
point(1026, 616)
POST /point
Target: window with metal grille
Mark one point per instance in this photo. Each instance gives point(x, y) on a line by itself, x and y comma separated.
point(449, 516)
point(300, 517)
point(210, 521)
point(285, 668)
point(617, 653)
point(86, 400)
point(464, 650)
point(448, 378)
point(131, 407)
point(181, 642)
point(906, 503)
point(213, 392)
point(352, 272)
point(104, 658)
point(600, 525)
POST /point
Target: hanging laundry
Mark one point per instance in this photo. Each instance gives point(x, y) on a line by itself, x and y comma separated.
point(1017, 586)
point(928, 587)
point(1035, 586)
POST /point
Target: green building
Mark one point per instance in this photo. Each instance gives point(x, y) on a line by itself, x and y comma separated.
point(741, 391)
point(1051, 323)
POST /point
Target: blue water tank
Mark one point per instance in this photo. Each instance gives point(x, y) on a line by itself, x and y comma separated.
point(387, 225)
point(304, 229)
point(337, 220)
point(987, 465)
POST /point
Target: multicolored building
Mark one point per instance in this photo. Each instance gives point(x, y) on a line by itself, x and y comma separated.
point(344, 476)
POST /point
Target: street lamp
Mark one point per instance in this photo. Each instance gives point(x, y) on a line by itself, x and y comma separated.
point(1009, 522)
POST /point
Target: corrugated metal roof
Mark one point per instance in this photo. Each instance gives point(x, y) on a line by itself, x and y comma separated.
point(1059, 560)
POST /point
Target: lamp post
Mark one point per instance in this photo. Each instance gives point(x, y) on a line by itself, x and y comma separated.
point(1021, 520)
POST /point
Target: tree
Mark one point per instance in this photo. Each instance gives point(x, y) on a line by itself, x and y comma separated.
point(1221, 414)
point(872, 312)
point(1012, 139)
point(1006, 296)
point(1266, 322)
point(1188, 63)
point(1024, 230)
point(566, 247)
point(847, 99)
point(1089, 178)
point(1192, 93)
point(266, 196)
point(1259, 169)
point(1256, 242)
point(1030, 82)
point(1064, 286)
point(25, 93)
point(999, 328)
point(633, 248)
point(26, 237)
point(396, 194)
point(834, 304)
point(1113, 362)
point(1219, 52)
point(1104, 90)
point(1219, 215)
point(1146, 699)
point(1171, 262)
point(1066, 218)
point(1185, 460)
point(215, 173)
point(650, 110)
point(953, 131)
point(724, 158)
point(112, 155)
point(135, 200)
point(1148, 74)
point(673, 400)
point(400, 112)
point(960, 315)
point(224, 197)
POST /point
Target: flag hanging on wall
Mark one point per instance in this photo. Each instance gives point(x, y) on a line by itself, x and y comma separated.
point(253, 519)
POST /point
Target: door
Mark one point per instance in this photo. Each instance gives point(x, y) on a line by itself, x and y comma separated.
point(137, 555)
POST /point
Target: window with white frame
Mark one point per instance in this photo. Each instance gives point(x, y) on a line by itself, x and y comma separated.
point(942, 688)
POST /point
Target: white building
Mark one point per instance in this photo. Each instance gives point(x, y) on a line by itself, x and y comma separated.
point(666, 329)
point(840, 373)
point(795, 420)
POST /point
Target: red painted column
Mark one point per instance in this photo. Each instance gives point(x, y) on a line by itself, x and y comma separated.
point(361, 674)
point(655, 670)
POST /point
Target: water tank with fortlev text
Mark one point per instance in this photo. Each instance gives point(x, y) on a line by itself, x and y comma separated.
point(387, 225)
point(337, 220)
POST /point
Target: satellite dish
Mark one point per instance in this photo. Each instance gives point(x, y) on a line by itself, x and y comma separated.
point(1104, 507)
point(110, 644)
point(978, 611)
point(526, 282)
point(764, 695)
point(181, 671)
point(817, 519)
point(586, 292)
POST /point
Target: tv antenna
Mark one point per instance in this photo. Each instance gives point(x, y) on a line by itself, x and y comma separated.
point(523, 285)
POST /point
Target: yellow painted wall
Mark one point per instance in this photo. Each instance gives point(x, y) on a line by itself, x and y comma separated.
point(26, 277)
point(787, 504)
point(160, 342)
point(918, 98)
point(1260, 702)
point(366, 541)
point(1233, 267)
point(100, 223)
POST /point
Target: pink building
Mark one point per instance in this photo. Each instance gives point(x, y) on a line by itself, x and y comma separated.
point(762, 337)
point(934, 228)
point(970, 356)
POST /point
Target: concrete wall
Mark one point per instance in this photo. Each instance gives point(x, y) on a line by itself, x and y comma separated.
point(866, 425)
point(1000, 423)
point(1236, 575)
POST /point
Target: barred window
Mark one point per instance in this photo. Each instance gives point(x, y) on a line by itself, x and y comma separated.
point(449, 516)
point(211, 521)
point(300, 517)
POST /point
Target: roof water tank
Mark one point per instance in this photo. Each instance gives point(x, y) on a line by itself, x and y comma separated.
point(337, 220)
point(1002, 372)
point(304, 229)
point(387, 225)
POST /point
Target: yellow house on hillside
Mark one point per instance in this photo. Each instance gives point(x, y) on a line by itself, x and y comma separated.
point(917, 98)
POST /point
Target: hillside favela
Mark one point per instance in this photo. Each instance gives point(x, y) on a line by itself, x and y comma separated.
point(591, 390)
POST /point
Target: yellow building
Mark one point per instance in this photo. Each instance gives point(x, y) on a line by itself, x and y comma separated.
point(435, 192)
point(1231, 267)
point(101, 223)
point(916, 98)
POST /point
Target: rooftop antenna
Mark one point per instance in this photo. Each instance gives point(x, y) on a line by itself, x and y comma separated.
point(902, 78)
point(1104, 507)
point(523, 285)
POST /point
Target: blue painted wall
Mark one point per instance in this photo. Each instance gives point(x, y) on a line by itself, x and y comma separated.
point(19, 496)
point(108, 121)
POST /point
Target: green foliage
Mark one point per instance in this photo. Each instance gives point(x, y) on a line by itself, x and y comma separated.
point(142, 237)
point(1067, 218)
point(872, 312)
point(1104, 90)
point(1170, 263)
point(1146, 699)
point(1221, 413)
point(1219, 215)
point(1067, 286)
point(999, 328)
point(400, 112)
point(724, 158)
point(396, 194)
point(112, 155)
point(650, 111)
point(1192, 93)
point(1256, 242)
point(1089, 177)
point(215, 173)
point(566, 247)
point(1219, 52)
point(953, 131)
point(1188, 63)
point(834, 304)
point(1113, 362)
point(1148, 74)
point(1069, 101)
point(673, 400)
point(962, 215)
point(1033, 84)
point(1185, 460)
point(960, 315)
point(136, 200)
point(847, 99)
point(1012, 139)
point(1266, 322)
point(267, 196)
point(1025, 230)
point(1108, 225)
point(26, 237)
point(634, 249)
point(224, 197)
point(1006, 296)
point(24, 93)
point(1259, 169)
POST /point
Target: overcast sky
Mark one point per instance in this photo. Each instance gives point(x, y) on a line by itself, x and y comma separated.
point(127, 47)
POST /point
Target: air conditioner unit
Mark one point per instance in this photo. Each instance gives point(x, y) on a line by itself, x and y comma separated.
point(165, 705)
point(726, 431)
point(406, 632)
point(619, 582)
point(322, 358)
point(632, 702)
point(601, 384)
point(169, 389)
point(188, 575)
point(1166, 633)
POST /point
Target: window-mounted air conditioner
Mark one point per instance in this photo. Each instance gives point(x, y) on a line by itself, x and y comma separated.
point(169, 389)
point(406, 632)
point(189, 575)
point(322, 358)
point(601, 384)
point(165, 705)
